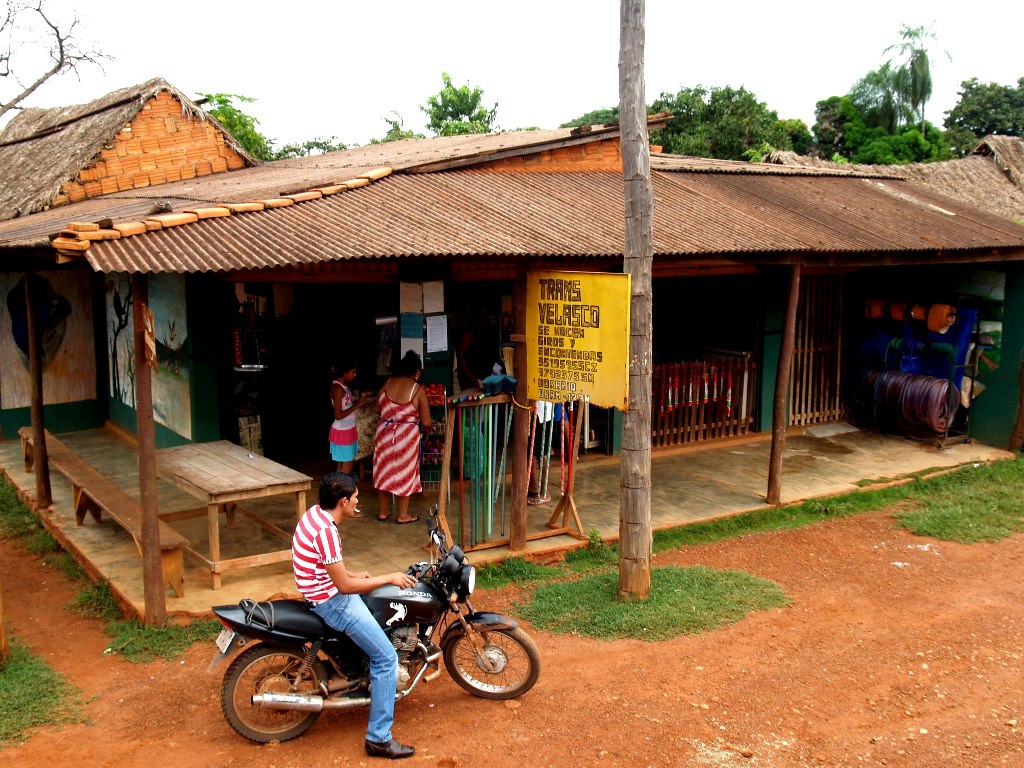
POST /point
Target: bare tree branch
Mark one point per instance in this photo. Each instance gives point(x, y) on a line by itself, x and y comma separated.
point(65, 53)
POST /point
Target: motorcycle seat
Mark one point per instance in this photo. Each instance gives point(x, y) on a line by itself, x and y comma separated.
point(286, 615)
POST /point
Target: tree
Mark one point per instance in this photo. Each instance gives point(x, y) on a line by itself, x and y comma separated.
point(878, 99)
point(799, 135)
point(238, 123)
point(841, 133)
point(316, 146)
point(456, 111)
point(243, 127)
point(717, 122)
point(594, 117)
point(396, 131)
point(31, 20)
point(635, 539)
point(913, 77)
point(983, 110)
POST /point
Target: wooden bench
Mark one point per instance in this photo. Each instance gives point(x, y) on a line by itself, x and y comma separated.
point(94, 494)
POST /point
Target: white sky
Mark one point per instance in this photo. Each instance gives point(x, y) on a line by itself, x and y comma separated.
point(336, 69)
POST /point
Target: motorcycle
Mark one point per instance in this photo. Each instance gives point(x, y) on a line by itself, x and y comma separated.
point(291, 666)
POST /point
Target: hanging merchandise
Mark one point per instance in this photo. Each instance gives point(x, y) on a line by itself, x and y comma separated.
point(941, 317)
point(874, 309)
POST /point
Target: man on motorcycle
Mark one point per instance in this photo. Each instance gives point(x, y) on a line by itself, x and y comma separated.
point(333, 594)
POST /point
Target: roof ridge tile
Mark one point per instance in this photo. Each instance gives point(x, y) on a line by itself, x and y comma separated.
point(72, 241)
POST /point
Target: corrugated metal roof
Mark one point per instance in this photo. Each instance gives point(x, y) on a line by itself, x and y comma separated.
point(286, 177)
point(454, 214)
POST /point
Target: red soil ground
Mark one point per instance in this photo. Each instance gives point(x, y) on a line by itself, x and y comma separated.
point(896, 650)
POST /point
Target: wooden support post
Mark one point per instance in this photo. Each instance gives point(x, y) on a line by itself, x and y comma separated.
point(781, 388)
point(5, 648)
point(152, 567)
point(520, 419)
point(213, 528)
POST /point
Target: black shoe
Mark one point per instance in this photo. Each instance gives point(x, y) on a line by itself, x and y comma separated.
point(392, 750)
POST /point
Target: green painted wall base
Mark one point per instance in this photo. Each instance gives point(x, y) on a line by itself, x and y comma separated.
point(65, 417)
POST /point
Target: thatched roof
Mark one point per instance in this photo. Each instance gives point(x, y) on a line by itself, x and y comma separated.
point(1008, 154)
point(991, 178)
point(41, 149)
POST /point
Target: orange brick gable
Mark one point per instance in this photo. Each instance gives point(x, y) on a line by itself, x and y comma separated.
point(162, 143)
point(596, 156)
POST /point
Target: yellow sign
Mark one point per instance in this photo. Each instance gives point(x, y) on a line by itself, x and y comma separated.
point(577, 337)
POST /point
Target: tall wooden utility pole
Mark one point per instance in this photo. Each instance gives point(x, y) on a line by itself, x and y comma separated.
point(635, 540)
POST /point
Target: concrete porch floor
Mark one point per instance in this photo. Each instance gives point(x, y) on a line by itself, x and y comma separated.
point(687, 485)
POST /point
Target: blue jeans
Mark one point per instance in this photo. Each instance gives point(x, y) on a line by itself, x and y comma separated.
point(349, 614)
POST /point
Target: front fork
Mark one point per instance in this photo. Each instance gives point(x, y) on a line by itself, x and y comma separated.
point(474, 638)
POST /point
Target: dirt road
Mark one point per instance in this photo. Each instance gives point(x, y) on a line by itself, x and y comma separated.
point(896, 650)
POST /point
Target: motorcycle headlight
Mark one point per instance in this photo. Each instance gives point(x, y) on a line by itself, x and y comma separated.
point(467, 581)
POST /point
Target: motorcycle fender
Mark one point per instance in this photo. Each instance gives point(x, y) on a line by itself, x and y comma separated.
point(484, 621)
point(236, 642)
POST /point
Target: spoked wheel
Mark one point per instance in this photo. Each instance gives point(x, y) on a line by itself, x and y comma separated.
point(509, 667)
point(268, 669)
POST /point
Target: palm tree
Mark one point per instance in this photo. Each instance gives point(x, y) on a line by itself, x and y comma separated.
point(879, 98)
point(913, 72)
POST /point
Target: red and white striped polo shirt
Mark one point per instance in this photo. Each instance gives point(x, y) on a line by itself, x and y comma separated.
point(316, 543)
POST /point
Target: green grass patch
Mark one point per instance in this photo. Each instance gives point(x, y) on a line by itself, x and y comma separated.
point(17, 521)
point(96, 601)
point(982, 503)
point(597, 556)
point(512, 570)
point(141, 644)
point(682, 601)
point(33, 695)
point(67, 566)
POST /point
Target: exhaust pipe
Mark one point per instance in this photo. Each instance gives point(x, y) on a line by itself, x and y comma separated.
point(315, 703)
point(305, 702)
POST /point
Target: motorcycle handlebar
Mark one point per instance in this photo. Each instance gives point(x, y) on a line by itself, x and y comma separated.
point(418, 569)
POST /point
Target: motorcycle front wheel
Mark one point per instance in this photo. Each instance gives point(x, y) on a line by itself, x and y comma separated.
point(268, 669)
point(509, 667)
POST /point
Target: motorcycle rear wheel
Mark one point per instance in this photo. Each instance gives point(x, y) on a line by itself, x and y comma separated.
point(268, 669)
point(514, 658)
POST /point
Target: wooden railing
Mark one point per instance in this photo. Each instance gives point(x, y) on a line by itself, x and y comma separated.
point(693, 402)
point(817, 391)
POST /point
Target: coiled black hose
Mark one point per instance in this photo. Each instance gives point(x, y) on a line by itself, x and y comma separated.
point(916, 403)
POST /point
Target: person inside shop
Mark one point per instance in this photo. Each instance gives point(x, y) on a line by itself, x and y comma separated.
point(333, 591)
point(343, 436)
point(478, 354)
point(404, 415)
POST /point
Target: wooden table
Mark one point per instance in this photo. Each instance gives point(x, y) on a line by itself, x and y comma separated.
point(220, 474)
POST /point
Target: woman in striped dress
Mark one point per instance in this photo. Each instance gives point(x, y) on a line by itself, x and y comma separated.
point(404, 412)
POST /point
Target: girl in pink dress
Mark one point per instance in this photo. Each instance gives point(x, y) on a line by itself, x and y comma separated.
point(404, 412)
point(343, 438)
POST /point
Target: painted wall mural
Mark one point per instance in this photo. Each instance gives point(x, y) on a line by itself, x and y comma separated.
point(64, 318)
point(171, 391)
